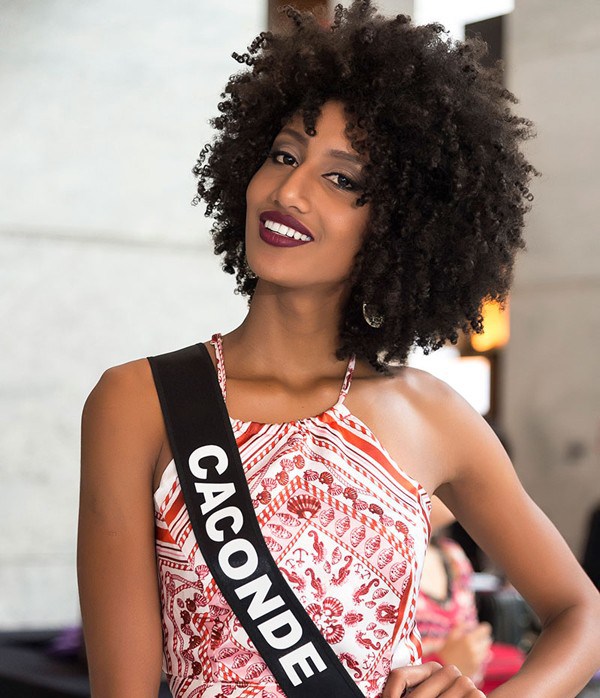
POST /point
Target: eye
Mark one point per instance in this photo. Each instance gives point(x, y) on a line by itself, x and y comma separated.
point(344, 182)
point(281, 157)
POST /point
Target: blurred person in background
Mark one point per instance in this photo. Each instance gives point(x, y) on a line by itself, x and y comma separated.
point(447, 613)
point(368, 191)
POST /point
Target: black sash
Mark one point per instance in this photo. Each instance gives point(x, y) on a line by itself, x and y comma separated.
point(220, 508)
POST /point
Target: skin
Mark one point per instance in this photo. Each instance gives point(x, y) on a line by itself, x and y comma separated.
point(303, 178)
point(426, 426)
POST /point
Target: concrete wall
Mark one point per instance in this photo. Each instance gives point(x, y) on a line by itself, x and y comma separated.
point(386, 7)
point(551, 393)
point(102, 259)
point(395, 7)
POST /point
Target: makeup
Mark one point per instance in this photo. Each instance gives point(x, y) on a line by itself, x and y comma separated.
point(281, 230)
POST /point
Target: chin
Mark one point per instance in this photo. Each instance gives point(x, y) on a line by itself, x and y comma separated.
point(284, 281)
point(279, 272)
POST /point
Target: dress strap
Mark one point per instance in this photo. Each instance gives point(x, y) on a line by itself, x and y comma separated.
point(218, 346)
point(347, 380)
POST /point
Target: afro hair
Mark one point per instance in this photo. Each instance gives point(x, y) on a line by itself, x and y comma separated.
point(444, 173)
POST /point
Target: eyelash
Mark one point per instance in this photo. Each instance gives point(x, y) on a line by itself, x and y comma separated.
point(353, 186)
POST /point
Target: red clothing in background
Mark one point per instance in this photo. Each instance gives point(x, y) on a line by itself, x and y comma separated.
point(437, 617)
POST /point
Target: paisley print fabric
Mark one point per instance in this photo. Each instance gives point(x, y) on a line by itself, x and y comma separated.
point(347, 527)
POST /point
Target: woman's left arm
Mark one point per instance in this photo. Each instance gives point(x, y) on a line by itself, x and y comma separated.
point(488, 499)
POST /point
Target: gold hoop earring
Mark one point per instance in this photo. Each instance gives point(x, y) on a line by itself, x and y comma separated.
point(372, 318)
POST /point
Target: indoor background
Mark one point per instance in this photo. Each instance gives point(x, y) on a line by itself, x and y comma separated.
point(104, 106)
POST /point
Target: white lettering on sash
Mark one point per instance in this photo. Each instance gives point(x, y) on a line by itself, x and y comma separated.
point(210, 450)
point(214, 494)
point(285, 619)
point(233, 513)
point(259, 604)
point(235, 546)
point(298, 658)
point(283, 630)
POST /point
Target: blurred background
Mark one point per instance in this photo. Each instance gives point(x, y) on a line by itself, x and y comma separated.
point(104, 106)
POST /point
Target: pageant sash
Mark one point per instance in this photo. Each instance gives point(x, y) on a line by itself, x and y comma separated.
point(220, 508)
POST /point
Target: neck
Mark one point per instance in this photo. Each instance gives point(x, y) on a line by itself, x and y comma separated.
point(289, 331)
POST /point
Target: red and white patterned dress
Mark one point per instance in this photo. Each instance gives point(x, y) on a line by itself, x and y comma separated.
point(347, 527)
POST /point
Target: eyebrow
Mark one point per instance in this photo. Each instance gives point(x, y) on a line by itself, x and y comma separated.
point(343, 154)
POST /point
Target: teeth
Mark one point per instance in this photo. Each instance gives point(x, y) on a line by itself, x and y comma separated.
point(284, 230)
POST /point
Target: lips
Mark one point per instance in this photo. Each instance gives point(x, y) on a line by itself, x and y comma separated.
point(282, 230)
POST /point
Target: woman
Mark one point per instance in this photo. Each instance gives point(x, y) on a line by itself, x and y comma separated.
point(368, 192)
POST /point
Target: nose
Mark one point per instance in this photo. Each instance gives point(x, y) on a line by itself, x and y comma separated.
point(293, 190)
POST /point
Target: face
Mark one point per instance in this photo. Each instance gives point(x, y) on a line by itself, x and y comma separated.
point(303, 227)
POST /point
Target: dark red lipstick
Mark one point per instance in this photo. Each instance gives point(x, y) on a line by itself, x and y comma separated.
point(288, 231)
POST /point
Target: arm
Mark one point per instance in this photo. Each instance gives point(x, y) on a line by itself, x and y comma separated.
point(116, 565)
point(484, 493)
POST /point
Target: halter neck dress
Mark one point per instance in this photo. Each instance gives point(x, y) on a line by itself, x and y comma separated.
point(347, 527)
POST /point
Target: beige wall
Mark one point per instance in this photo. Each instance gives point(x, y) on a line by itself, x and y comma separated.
point(386, 7)
point(102, 259)
point(551, 394)
point(395, 7)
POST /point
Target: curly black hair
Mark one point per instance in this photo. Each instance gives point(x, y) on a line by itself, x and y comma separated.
point(445, 177)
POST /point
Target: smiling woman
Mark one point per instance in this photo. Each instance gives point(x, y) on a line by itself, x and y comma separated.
point(299, 175)
point(368, 191)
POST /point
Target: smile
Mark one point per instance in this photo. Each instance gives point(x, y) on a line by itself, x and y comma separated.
point(281, 230)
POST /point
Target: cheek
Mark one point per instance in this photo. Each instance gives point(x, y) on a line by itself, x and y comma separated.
point(352, 231)
point(256, 185)
point(250, 191)
point(359, 224)
point(253, 198)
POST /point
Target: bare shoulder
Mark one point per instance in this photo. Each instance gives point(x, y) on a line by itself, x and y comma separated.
point(463, 431)
point(124, 386)
point(128, 378)
point(443, 403)
point(420, 385)
point(123, 409)
point(427, 395)
point(419, 418)
point(469, 449)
